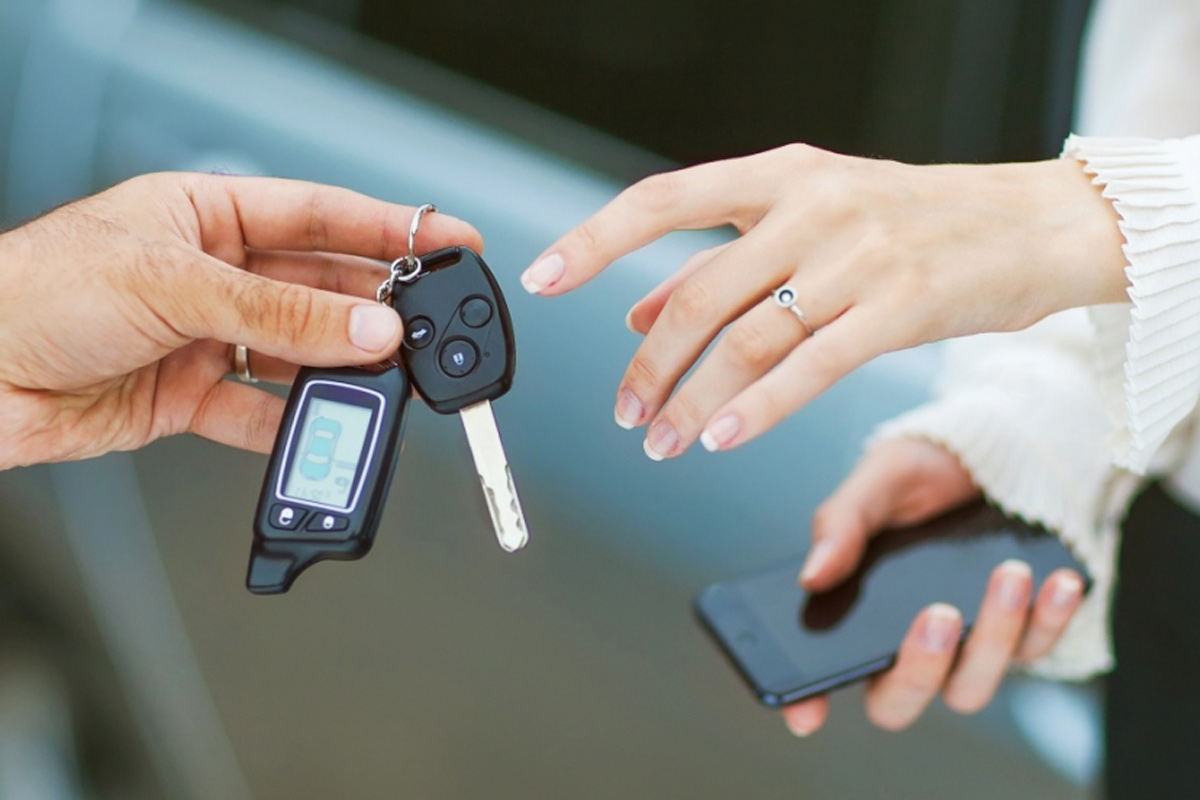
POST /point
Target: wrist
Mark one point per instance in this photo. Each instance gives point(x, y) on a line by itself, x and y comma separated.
point(1089, 252)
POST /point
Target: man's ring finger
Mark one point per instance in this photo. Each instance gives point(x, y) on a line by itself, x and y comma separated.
point(241, 364)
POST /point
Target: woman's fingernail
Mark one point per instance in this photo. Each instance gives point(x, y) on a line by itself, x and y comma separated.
point(817, 559)
point(629, 409)
point(1066, 591)
point(1012, 592)
point(941, 628)
point(797, 727)
point(629, 321)
point(373, 327)
point(721, 433)
point(661, 441)
point(544, 273)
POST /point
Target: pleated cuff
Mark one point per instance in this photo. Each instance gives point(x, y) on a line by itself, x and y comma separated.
point(1019, 473)
point(1149, 348)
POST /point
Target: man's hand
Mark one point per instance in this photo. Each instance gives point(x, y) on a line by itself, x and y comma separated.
point(904, 482)
point(121, 311)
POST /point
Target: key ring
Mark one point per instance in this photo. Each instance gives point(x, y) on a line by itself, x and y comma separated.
point(407, 268)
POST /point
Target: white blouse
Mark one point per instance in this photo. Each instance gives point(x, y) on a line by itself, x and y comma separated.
point(1062, 423)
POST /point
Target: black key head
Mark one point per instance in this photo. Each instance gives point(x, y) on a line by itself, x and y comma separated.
point(458, 339)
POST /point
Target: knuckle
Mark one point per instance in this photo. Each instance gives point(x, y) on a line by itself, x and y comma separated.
point(643, 374)
point(751, 345)
point(657, 193)
point(923, 682)
point(291, 316)
point(318, 228)
point(587, 237)
point(770, 405)
point(798, 153)
point(823, 521)
point(693, 304)
point(685, 414)
point(826, 362)
point(261, 426)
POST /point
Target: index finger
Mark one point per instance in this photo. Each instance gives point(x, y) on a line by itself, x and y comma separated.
point(704, 196)
point(282, 214)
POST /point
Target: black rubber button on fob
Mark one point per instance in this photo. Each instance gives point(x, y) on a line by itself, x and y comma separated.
point(328, 522)
point(286, 518)
point(476, 312)
point(418, 334)
point(458, 358)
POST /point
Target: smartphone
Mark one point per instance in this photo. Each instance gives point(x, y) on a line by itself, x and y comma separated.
point(789, 645)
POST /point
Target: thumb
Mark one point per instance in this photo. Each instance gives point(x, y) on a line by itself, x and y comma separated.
point(841, 527)
point(898, 482)
point(289, 321)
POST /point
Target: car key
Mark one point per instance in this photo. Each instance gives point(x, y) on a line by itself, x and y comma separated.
point(460, 355)
point(329, 472)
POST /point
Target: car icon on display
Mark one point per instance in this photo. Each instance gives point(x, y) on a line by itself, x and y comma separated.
point(317, 460)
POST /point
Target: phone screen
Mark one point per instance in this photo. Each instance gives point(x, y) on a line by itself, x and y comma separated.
point(790, 645)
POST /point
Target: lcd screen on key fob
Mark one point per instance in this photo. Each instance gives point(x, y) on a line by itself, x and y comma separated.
point(335, 434)
point(329, 472)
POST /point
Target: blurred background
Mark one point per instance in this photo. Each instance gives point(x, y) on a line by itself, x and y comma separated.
point(133, 663)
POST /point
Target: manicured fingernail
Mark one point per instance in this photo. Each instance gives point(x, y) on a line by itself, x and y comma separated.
point(661, 441)
point(941, 628)
point(629, 321)
point(1066, 591)
point(1014, 584)
point(629, 409)
point(797, 727)
point(373, 327)
point(818, 558)
point(721, 433)
point(544, 273)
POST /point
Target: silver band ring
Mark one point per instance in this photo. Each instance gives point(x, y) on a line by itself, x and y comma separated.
point(785, 296)
point(241, 364)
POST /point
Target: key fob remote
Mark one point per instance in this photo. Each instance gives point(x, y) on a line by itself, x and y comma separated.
point(329, 473)
point(458, 338)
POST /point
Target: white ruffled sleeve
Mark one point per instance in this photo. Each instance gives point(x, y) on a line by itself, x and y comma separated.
point(1023, 414)
point(1150, 347)
point(1058, 424)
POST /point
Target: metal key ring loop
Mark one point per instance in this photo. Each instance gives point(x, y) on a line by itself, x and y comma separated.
point(406, 268)
point(416, 225)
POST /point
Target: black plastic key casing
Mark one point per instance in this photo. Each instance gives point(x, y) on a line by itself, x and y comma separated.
point(292, 534)
point(458, 342)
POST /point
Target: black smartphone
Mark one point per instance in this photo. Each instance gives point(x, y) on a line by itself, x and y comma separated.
point(789, 645)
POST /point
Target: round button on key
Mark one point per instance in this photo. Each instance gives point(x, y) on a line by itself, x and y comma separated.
point(476, 312)
point(418, 333)
point(458, 358)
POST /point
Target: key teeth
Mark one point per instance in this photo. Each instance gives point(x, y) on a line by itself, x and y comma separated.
point(518, 514)
point(498, 515)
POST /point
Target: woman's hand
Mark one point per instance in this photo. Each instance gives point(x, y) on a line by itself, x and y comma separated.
point(903, 482)
point(882, 256)
point(120, 312)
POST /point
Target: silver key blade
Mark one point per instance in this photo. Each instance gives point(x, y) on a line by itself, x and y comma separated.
point(494, 473)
